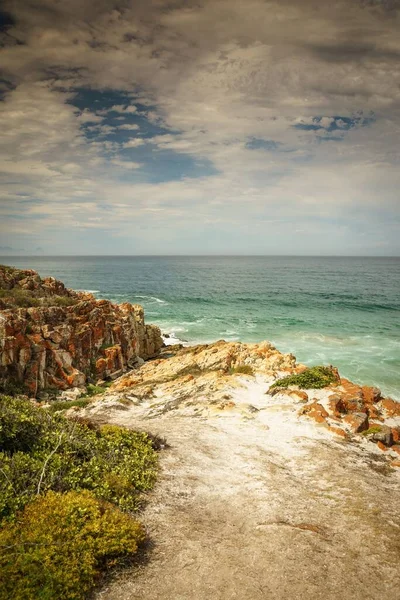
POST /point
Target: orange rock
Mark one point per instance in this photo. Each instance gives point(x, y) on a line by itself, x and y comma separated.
point(352, 396)
point(395, 463)
point(396, 448)
point(316, 411)
point(375, 413)
point(338, 431)
point(226, 405)
point(298, 395)
point(396, 436)
point(392, 408)
point(62, 346)
point(371, 395)
point(358, 422)
point(336, 405)
point(382, 446)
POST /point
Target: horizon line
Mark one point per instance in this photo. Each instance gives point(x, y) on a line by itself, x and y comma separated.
point(199, 256)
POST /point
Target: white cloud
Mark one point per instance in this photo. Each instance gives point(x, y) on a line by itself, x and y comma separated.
point(120, 108)
point(134, 143)
point(128, 127)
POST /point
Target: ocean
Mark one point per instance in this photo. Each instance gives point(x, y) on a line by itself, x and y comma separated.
point(342, 311)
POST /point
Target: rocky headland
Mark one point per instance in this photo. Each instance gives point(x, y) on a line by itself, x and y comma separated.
point(276, 480)
point(53, 338)
point(267, 489)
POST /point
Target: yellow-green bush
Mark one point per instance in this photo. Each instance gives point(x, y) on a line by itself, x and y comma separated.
point(40, 451)
point(59, 545)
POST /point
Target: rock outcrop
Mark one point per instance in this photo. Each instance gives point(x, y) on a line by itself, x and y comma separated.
point(55, 338)
point(233, 377)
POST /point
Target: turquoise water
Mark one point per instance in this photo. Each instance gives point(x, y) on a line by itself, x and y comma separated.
point(341, 311)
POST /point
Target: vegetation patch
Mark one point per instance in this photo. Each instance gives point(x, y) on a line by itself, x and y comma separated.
point(242, 369)
point(312, 378)
point(81, 402)
point(94, 390)
point(41, 451)
point(65, 487)
point(18, 297)
point(61, 543)
point(372, 430)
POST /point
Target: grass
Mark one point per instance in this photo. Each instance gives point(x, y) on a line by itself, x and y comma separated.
point(66, 404)
point(241, 370)
point(312, 378)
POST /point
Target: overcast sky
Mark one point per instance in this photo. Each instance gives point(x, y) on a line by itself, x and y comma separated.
point(204, 127)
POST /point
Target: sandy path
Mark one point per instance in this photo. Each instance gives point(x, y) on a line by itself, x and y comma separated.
point(271, 507)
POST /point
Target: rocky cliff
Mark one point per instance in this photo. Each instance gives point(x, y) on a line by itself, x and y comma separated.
point(54, 338)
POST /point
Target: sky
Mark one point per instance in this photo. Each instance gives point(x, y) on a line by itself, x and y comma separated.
point(200, 127)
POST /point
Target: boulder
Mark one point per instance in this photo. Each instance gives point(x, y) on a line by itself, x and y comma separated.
point(384, 435)
point(357, 422)
point(315, 411)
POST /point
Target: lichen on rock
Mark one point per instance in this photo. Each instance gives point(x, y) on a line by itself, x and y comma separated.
point(48, 343)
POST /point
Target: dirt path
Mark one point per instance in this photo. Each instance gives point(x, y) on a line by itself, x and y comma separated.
point(270, 507)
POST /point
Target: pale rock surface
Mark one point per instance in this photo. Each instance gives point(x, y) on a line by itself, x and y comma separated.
point(256, 500)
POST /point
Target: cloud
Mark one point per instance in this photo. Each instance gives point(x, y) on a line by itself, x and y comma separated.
point(129, 127)
point(123, 109)
point(134, 143)
point(252, 89)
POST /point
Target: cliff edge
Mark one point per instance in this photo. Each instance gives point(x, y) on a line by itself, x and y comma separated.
point(277, 481)
point(53, 338)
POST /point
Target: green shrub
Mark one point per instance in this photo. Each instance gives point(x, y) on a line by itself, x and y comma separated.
point(19, 297)
point(312, 378)
point(40, 451)
point(93, 390)
point(60, 301)
point(81, 402)
point(19, 480)
point(59, 545)
point(21, 424)
point(242, 369)
point(11, 387)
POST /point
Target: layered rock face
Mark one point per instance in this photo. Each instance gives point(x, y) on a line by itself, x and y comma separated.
point(66, 338)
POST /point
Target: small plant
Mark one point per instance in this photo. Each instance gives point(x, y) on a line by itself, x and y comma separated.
point(66, 404)
point(312, 378)
point(59, 545)
point(372, 430)
point(106, 345)
point(93, 390)
point(242, 369)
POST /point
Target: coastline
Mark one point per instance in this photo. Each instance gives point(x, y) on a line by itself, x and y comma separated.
point(260, 454)
point(323, 317)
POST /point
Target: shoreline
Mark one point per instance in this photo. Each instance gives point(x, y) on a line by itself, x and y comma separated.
point(387, 389)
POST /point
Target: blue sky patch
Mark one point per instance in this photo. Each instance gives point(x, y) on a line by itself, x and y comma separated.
point(260, 144)
point(120, 121)
point(336, 123)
